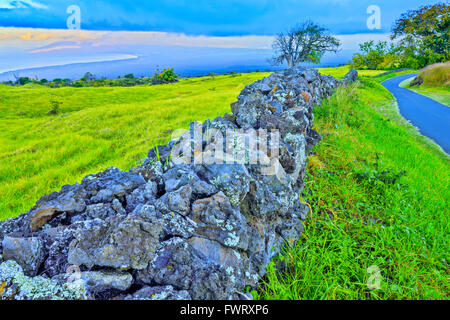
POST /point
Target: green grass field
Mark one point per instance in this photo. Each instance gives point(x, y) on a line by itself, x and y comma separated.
point(97, 128)
point(378, 190)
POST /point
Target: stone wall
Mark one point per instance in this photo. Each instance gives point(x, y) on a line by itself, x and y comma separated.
point(171, 230)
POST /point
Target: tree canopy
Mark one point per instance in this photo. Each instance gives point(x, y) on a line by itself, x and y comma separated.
point(421, 37)
point(425, 33)
point(306, 42)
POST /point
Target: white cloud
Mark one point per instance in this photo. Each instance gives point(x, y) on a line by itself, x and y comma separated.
point(21, 4)
point(37, 39)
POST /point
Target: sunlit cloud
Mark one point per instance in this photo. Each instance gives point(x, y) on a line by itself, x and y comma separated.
point(45, 36)
point(181, 39)
point(37, 39)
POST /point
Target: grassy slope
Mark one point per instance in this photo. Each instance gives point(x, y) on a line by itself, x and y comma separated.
point(98, 127)
point(379, 192)
point(436, 75)
point(440, 94)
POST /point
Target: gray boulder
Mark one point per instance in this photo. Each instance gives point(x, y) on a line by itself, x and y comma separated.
point(416, 82)
point(218, 221)
point(159, 293)
point(118, 242)
point(95, 282)
point(71, 199)
point(351, 76)
point(27, 252)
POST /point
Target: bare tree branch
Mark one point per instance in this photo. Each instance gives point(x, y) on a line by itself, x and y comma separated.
point(304, 43)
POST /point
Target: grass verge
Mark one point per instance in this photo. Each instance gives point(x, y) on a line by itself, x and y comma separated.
point(439, 94)
point(379, 193)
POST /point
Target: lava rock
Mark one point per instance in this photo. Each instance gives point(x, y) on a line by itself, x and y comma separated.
point(27, 252)
point(351, 76)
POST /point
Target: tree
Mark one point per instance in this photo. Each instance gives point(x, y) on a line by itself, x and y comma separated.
point(425, 33)
point(376, 56)
point(304, 43)
point(89, 76)
point(23, 80)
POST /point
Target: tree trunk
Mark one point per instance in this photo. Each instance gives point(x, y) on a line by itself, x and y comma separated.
point(290, 62)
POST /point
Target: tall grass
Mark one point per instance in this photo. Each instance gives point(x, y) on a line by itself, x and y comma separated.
point(379, 194)
point(436, 75)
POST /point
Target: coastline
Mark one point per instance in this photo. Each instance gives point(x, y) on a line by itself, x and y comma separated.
point(123, 57)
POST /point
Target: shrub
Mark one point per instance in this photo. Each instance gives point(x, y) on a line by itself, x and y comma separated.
point(232, 73)
point(410, 62)
point(23, 80)
point(89, 76)
point(165, 76)
point(55, 107)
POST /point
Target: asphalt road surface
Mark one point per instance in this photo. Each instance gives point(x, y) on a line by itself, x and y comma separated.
point(429, 116)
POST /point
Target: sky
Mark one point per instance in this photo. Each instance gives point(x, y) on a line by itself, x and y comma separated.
point(204, 17)
point(35, 33)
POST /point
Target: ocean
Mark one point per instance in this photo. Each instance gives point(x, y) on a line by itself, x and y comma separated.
point(187, 61)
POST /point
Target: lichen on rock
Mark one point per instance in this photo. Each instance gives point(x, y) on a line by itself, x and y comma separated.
point(15, 285)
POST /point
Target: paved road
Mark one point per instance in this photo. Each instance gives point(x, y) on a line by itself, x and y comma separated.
point(431, 117)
